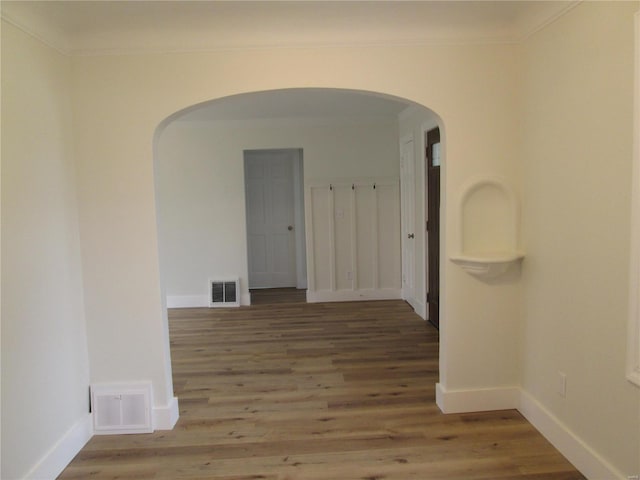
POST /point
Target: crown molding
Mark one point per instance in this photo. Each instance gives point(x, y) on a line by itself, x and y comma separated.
point(543, 21)
point(45, 35)
point(48, 34)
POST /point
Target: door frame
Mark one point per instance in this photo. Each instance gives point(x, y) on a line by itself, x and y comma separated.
point(427, 255)
point(298, 218)
point(298, 209)
point(408, 217)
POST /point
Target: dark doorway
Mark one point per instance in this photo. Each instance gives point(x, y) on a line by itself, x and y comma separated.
point(433, 224)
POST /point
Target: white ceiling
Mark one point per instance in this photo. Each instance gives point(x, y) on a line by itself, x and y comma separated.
point(95, 27)
point(106, 27)
point(297, 104)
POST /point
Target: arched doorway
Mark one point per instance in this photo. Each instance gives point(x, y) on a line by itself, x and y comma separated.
point(350, 142)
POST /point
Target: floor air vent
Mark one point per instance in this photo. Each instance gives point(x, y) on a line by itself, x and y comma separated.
point(224, 293)
point(122, 408)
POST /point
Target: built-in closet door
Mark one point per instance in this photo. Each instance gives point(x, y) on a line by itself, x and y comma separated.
point(353, 239)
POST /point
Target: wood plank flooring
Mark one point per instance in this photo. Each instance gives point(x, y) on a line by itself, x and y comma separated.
point(317, 392)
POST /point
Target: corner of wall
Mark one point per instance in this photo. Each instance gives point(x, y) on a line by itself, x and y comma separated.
point(477, 400)
point(63, 451)
point(574, 448)
point(166, 417)
point(245, 299)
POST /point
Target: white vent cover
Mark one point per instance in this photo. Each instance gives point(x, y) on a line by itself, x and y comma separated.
point(224, 293)
point(121, 408)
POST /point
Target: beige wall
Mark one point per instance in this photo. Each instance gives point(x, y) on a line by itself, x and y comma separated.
point(45, 368)
point(576, 160)
point(119, 102)
point(552, 117)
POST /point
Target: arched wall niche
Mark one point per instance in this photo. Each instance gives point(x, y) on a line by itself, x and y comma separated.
point(489, 218)
point(489, 227)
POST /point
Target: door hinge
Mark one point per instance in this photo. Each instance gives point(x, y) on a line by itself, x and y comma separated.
point(426, 225)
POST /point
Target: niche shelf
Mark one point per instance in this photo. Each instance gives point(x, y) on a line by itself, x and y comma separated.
point(487, 265)
point(489, 228)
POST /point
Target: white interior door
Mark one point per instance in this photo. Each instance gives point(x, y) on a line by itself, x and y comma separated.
point(407, 192)
point(270, 218)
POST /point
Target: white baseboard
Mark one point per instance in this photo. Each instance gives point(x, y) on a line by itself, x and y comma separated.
point(245, 299)
point(187, 301)
point(477, 400)
point(61, 454)
point(353, 295)
point(583, 457)
point(421, 309)
point(165, 418)
point(198, 301)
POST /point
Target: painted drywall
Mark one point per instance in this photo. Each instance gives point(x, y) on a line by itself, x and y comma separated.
point(633, 345)
point(120, 101)
point(45, 366)
point(577, 150)
point(477, 92)
point(562, 77)
point(200, 185)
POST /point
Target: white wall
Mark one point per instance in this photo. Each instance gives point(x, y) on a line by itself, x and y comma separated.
point(570, 85)
point(578, 102)
point(45, 369)
point(119, 102)
point(200, 186)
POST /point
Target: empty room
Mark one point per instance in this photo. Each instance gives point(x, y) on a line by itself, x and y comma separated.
point(320, 240)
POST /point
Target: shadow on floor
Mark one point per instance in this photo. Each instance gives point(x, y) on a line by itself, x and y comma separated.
point(270, 296)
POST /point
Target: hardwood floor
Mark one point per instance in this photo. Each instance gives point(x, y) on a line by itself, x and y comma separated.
point(317, 391)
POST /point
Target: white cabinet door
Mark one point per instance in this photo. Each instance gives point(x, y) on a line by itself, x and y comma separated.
point(270, 214)
point(407, 192)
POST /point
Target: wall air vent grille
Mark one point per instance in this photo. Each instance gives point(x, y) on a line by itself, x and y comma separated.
point(224, 293)
point(123, 408)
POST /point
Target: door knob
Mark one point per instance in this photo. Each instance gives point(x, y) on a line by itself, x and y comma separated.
point(411, 235)
point(290, 227)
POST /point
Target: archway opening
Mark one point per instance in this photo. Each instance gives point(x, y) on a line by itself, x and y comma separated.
point(349, 141)
point(357, 204)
